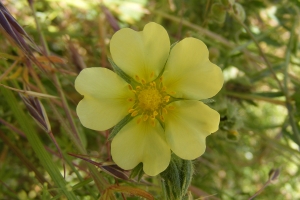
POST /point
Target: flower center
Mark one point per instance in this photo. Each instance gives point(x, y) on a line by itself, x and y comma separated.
point(150, 101)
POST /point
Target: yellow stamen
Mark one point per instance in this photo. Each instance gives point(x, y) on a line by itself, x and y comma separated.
point(167, 98)
point(150, 100)
point(137, 77)
point(135, 113)
point(131, 110)
point(165, 110)
point(145, 117)
point(171, 107)
point(152, 74)
point(152, 122)
point(139, 120)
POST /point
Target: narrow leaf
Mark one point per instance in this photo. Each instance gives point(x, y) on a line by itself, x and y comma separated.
point(127, 190)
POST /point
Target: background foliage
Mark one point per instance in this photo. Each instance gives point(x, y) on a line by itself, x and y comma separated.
point(255, 151)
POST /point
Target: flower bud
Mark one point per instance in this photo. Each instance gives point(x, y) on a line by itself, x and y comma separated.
point(218, 13)
point(239, 11)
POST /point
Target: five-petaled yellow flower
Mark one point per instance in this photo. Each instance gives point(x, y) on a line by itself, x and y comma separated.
point(163, 99)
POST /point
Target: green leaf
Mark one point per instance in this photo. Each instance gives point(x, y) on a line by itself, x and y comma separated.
point(269, 94)
point(125, 189)
point(228, 2)
point(36, 143)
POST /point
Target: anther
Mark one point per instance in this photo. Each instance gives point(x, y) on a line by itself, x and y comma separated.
point(152, 74)
point(171, 107)
point(165, 110)
point(139, 120)
point(134, 113)
point(145, 117)
point(152, 122)
point(150, 99)
point(167, 98)
point(131, 110)
point(137, 77)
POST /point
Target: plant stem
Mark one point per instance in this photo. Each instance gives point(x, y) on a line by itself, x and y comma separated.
point(283, 87)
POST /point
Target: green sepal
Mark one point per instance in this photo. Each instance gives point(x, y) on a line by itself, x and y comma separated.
point(177, 178)
point(137, 172)
point(172, 182)
point(120, 72)
point(218, 13)
point(185, 168)
point(187, 175)
point(239, 11)
point(207, 101)
point(232, 135)
point(119, 126)
point(172, 45)
point(227, 2)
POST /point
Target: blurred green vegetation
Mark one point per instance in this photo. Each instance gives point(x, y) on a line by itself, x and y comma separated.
point(255, 43)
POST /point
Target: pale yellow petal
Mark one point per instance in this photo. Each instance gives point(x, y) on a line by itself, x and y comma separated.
point(106, 98)
point(141, 142)
point(141, 53)
point(188, 125)
point(189, 72)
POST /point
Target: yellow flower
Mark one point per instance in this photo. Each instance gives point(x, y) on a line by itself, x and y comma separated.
point(163, 98)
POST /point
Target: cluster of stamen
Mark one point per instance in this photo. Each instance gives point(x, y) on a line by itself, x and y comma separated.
point(150, 101)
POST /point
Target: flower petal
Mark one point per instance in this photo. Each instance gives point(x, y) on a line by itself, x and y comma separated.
point(141, 53)
point(105, 100)
point(189, 73)
point(141, 142)
point(187, 126)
